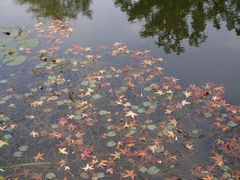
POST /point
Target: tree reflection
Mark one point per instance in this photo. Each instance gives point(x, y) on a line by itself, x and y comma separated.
point(58, 9)
point(176, 23)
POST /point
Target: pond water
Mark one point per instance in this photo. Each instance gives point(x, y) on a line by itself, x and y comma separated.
point(199, 40)
point(119, 89)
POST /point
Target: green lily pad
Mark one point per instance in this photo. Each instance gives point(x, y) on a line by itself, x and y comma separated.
point(14, 60)
point(29, 43)
point(96, 96)
point(153, 170)
point(143, 169)
point(111, 134)
point(232, 124)
point(3, 81)
point(18, 154)
point(151, 127)
point(100, 175)
point(111, 144)
point(23, 148)
point(51, 175)
point(103, 112)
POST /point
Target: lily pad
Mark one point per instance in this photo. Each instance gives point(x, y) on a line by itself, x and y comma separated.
point(96, 96)
point(103, 112)
point(111, 144)
point(151, 127)
point(153, 170)
point(29, 43)
point(14, 60)
point(51, 175)
point(3, 81)
point(100, 175)
point(111, 134)
point(23, 148)
point(18, 154)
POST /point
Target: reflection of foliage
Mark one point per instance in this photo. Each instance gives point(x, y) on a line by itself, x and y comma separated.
point(173, 22)
point(58, 9)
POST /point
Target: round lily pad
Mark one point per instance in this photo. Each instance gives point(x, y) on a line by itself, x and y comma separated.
point(111, 144)
point(15, 60)
point(18, 154)
point(23, 148)
point(51, 175)
point(153, 170)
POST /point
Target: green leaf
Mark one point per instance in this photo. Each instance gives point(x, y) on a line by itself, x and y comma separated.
point(100, 175)
point(111, 134)
point(7, 136)
point(231, 124)
point(14, 60)
point(103, 112)
point(23, 148)
point(153, 170)
point(111, 144)
point(51, 175)
point(151, 127)
point(143, 169)
point(29, 43)
point(18, 154)
point(96, 96)
point(3, 81)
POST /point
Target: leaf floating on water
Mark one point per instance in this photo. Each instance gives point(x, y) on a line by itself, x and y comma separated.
point(18, 154)
point(96, 96)
point(103, 112)
point(111, 144)
point(111, 134)
point(153, 170)
point(3, 81)
point(51, 175)
point(23, 148)
point(29, 43)
point(13, 60)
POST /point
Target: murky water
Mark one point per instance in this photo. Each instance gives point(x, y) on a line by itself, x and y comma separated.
point(173, 27)
point(102, 107)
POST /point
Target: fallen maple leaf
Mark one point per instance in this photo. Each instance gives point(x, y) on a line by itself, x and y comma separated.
point(218, 159)
point(129, 173)
point(88, 167)
point(38, 157)
point(62, 150)
point(131, 113)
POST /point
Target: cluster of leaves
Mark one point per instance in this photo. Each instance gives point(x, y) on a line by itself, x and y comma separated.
point(90, 116)
point(14, 43)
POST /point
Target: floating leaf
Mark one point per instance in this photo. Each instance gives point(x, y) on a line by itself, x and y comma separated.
point(151, 127)
point(96, 96)
point(3, 81)
point(51, 175)
point(18, 154)
point(7, 136)
point(14, 60)
point(29, 43)
point(100, 175)
point(231, 124)
point(23, 148)
point(111, 144)
point(103, 112)
point(153, 170)
point(111, 134)
point(77, 117)
point(143, 169)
